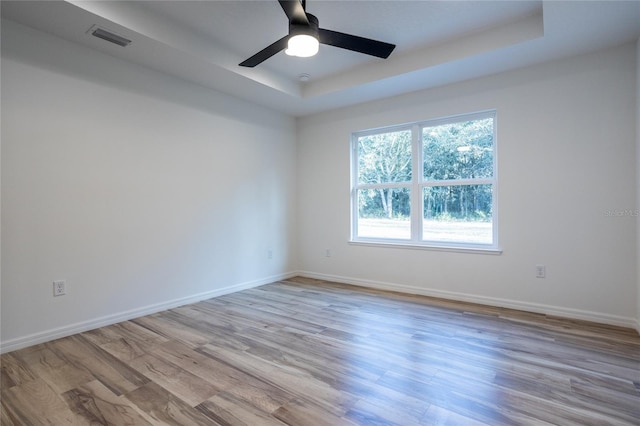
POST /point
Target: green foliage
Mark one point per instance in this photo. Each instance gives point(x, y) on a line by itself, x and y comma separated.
point(387, 203)
point(458, 150)
point(385, 158)
point(462, 202)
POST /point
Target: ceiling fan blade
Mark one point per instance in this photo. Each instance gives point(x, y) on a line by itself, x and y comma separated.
point(266, 53)
point(294, 11)
point(355, 43)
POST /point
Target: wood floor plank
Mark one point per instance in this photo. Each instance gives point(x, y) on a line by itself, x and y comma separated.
point(128, 330)
point(292, 380)
point(65, 378)
point(313, 354)
point(263, 396)
point(165, 325)
point(98, 405)
point(215, 373)
point(439, 416)
point(60, 375)
point(33, 403)
point(5, 418)
point(227, 409)
point(79, 352)
point(126, 341)
point(304, 413)
point(309, 352)
point(40, 359)
point(163, 407)
point(186, 386)
point(14, 371)
point(374, 409)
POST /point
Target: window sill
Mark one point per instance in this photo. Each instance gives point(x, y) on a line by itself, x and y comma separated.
point(408, 245)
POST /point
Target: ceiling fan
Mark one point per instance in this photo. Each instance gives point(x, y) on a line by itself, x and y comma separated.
point(305, 36)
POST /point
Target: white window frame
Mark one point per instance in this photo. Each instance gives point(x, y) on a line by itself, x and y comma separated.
point(418, 184)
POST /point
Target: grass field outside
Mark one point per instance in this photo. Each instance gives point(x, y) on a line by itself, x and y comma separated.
point(455, 231)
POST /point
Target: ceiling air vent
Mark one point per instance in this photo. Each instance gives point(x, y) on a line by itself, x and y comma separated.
point(109, 36)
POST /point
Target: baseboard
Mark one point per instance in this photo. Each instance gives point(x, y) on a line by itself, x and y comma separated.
point(68, 330)
point(558, 311)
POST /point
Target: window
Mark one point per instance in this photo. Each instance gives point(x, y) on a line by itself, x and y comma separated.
point(427, 184)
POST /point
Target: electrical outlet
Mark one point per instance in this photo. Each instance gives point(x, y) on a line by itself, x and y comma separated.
point(541, 271)
point(59, 288)
point(270, 254)
point(327, 253)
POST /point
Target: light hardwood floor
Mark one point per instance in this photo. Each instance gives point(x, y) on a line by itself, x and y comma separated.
point(307, 352)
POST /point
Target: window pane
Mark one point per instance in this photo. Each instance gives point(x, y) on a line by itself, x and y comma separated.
point(384, 157)
point(461, 150)
point(458, 213)
point(384, 213)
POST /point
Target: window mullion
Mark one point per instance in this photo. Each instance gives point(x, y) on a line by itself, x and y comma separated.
point(460, 182)
point(354, 186)
point(416, 191)
point(384, 185)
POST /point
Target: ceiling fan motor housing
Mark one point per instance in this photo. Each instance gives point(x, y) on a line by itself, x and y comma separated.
point(303, 28)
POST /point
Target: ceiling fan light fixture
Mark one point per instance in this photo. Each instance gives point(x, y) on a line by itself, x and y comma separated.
point(302, 45)
point(305, 36)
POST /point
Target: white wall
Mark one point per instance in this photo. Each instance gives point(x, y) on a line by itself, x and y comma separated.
point(141, 191)
point(566, 152)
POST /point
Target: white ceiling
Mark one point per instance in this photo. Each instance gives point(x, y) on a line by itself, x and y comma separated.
point(438, 42)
